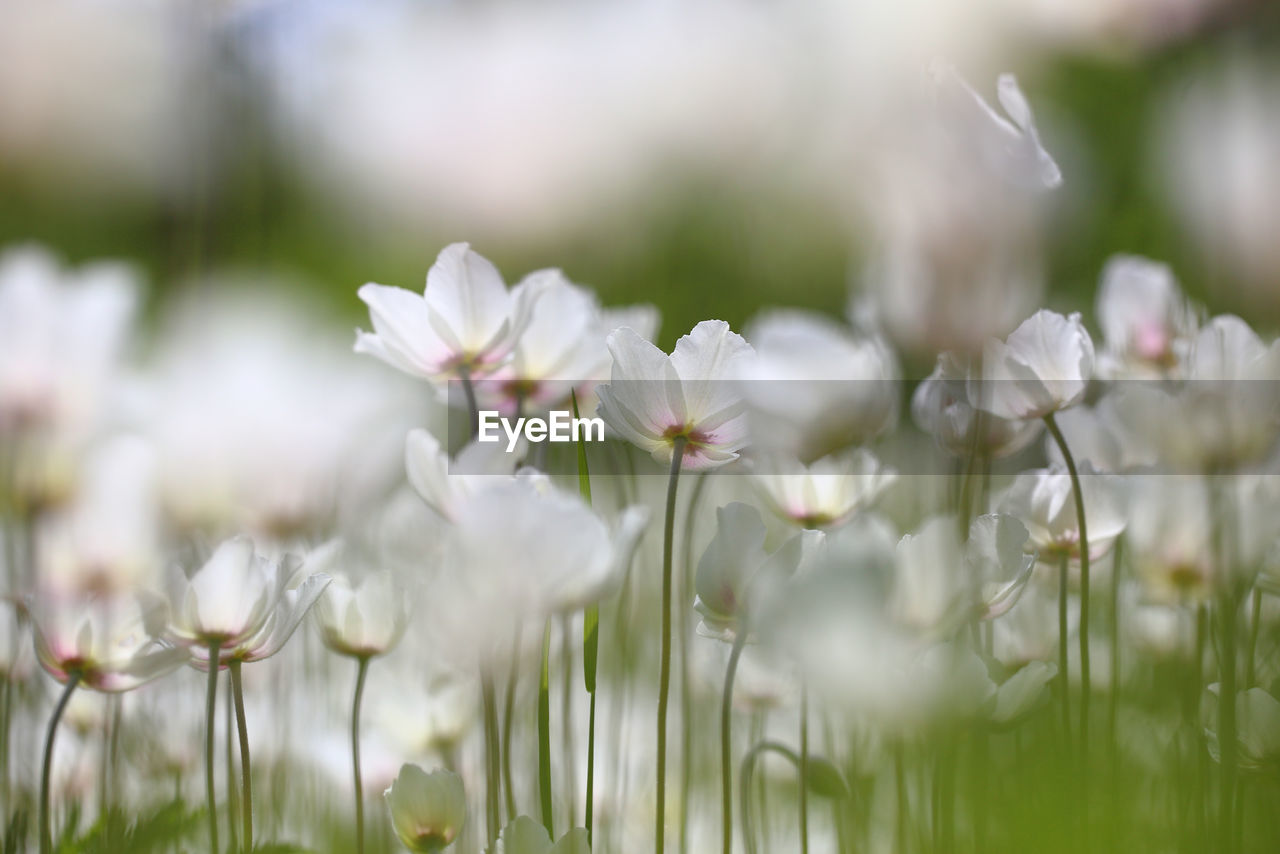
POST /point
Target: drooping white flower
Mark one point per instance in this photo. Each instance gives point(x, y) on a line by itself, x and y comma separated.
point(361, 621)
point(111, 642)
point(466, 320)
point(942, 408)
point(243, 603)
point(655, 401)
point(427, 810)
point(826, 493)
point(1044, 366)
point(815, 387)
point(1147, 323)
point(1042, 500)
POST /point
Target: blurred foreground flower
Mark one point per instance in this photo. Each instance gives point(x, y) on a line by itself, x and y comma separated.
point(525, 836)
point(427, 810)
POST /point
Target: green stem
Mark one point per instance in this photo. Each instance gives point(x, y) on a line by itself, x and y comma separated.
point(508, 716)
point(1255, 618)
point(1085, 685)
point(246, 772)
point(1227, 722)
point(1064, 680)
point(469, 392)
point(900, 798)
point(362, 670)
point(686, 714)
point(591, 766)
point(210, 709)
point(726, 741)
point(804, 769)
point(664, 676)
point(544, 733)
point(492, 761)
point(746, 773)
point(46, 833)
point(566, 720)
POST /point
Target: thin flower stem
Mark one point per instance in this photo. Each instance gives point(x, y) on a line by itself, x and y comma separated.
point(1064, 680)
point(686, 714)
point(46, 833)
point(664, 676)
point(1082, 525)
point(469, 392)
point(210, 709)
point(900, 798)
point(492, 761)
point(1227, 722)
point(508, 716)
point(1255, 617)
point(591, 766)
point(590, 648)
point(362, 670)
point(804, 769)
point(544, 733)
point(566, 719)
point(246, 774)
point(1113, 696)
point(746, 774)
point(726, 741)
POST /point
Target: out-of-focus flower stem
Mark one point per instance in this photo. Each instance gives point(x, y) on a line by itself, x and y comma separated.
point(508, 716)
point(1064, 679)
point(686, 716)
point(46, 833)
point(804, 768)
point(492, 760)
point(726, 741)
point(544, 733)
point(1255, 617)
point(664, 675)
point(246, 773)
point(362, 671)
point(1086, 686)
point(473, 409)
point(210, 709)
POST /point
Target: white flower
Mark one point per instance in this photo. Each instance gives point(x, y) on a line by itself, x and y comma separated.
point(245, 604)
point(1042, 499)
point(735, 569)
point(1257, 729)
point(1170, 537)
point(941, 407)
point(358, 621)
point(814, 387)
point(444, 484)
point(1044, 367)
point(113, 643)
point(1147, 323)
point(563, 348)
point(654, 400)
point(1097, 435)
point(526, 836)
point(465, 320)
point(427, 810)
point(826, 493)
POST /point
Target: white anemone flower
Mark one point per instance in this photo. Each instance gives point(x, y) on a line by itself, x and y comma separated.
point(443, 483)
point(563, 348)
point(526, 836)
point(1044, 367)
point(826, 493)
point(427, 810)
point(111, 643)
point(1147, 323)
point(690, 398)
point(358, 620)
point(1170, 537)
point(465, 322)
point(735, 569)
point(941, 407)
point(815, 387)
point(242, 603)
point(1042, 499)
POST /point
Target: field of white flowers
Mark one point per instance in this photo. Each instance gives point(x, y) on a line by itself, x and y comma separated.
point(948, 523)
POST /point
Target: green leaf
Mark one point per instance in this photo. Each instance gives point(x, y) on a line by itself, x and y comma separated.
point(824, 778)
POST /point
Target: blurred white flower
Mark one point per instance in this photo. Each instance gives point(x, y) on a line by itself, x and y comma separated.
point(359, 621)
point(815, 387)
point(1257, 729)
point(443, 483)
point(941, 407)
point(827, 492)
point(1097, 435)
point(111, 642)
point(1147, 323)
point(1045, 366)
point(243, 603)
point(1218, 149)
point(735, 569)
point(563, 348)
point(1042, 499)
point(427, 810)
point(1170, 537)
point(261, 424)
point(692, 396)
point(62, 334)
point(955, 195)
point(526, 836)
point(466, 323)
